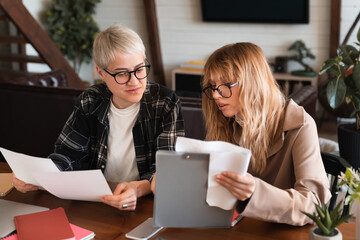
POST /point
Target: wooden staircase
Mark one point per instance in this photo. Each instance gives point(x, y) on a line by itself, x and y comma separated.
point(29, 31)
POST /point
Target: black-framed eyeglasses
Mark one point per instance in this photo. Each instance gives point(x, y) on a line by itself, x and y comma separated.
point(123, 77)
point(224, 90)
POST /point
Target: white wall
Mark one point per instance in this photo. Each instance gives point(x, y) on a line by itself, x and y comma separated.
point(184, 36)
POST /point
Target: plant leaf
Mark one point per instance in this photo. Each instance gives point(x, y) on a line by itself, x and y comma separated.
point(327, 65)
point(327, 221)
point(339, 221)
point(336, 91)
point(322, 227)
point(311, 216)
point(320, 212)
point(356, 75)
point(348, 53)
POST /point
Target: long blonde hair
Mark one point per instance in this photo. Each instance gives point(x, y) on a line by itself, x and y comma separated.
point(260, 99)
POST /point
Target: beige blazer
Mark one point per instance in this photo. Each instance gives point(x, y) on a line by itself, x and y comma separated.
point(294, 177)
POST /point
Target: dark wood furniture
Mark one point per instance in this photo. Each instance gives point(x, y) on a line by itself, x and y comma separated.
point(32, 117)
point(110, 223)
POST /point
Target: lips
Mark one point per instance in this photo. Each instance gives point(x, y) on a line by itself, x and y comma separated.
point(133, 90)
point(221, 106)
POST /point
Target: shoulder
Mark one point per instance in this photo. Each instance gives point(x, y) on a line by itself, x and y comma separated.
point(94, 96)
point(296, 117)
point(155, 93)
point(95, 91)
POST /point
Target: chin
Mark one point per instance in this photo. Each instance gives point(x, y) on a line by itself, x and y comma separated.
point(135, 99)
point(228, 114)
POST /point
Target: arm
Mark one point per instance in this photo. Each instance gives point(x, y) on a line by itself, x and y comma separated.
point(71, 147)
point(168, 124)
point(172, 126)
point(310, 183)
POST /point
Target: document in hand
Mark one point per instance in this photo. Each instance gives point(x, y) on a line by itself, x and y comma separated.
point(87, 185)
point(223, 157)
point(51, 224)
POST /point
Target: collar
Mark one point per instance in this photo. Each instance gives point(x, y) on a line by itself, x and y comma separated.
point(294, 118)
point(100, 108)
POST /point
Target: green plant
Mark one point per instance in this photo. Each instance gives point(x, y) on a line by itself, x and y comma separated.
point(351, 178)
point(344, 78)
point(326, 221)
point(301, 52)
point(71, 26)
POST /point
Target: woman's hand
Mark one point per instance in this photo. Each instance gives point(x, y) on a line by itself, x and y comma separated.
point(242, 187)
point(123, 198)
point(153, 183)
point(22, 186)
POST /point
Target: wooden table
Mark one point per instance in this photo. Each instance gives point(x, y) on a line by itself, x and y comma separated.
point(110, 223)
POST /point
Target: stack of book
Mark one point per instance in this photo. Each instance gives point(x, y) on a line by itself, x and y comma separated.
point(196, 66)
point(50, 224)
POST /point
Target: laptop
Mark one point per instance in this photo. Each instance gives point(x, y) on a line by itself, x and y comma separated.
point(180, 198)
point(9, 209)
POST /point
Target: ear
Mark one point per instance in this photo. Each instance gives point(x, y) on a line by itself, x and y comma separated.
point(100, 72)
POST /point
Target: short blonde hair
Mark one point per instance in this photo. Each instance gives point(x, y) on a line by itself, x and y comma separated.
point(260, 100)
point(114, 39)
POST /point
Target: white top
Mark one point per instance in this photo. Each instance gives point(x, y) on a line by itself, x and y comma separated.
point(121, 159)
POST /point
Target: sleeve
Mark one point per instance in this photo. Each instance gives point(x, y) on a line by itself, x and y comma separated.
point(170, 126)
point(311, 186)
point(71, 147)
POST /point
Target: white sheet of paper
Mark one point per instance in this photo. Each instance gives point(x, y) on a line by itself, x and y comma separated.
point(87, 185)
point(23, 165)
point(223, 157)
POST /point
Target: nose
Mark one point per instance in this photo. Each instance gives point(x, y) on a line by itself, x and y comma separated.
point(216, 94)
point(133, 79)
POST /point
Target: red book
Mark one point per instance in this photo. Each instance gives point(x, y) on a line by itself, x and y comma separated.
point(82, 233)
point(52, 224)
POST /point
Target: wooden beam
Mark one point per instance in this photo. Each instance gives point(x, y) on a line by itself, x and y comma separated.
point(154, 40)
point(334, 26)
point(39, 39)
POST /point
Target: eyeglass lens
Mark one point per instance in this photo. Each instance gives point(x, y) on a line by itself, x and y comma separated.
point(223, 90)
point(140, 73)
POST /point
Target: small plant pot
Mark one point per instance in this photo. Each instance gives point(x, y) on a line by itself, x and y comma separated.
point(304, 73)
point(314, 234)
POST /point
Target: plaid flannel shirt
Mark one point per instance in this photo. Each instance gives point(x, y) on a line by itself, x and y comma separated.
point(82, 143)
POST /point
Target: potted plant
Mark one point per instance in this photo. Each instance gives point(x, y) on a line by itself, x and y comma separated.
point(326, 222)
point(72, 28)
point(301, 52)
point(351, 179)
point(343, 85)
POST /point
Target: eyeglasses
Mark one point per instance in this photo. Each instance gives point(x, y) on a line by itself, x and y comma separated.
point(224, 90)
point(124, 77)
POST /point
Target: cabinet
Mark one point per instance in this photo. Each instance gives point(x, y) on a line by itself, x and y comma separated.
point(188, 83)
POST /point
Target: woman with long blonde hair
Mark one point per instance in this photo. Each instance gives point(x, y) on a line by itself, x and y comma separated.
point(243, 104)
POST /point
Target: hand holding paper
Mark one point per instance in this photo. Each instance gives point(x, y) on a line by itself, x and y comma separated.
point(75, 185)
point(223, 157)
point(23, 165)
